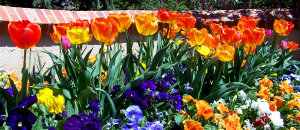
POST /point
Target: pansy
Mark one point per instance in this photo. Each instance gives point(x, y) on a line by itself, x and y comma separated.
point(85, 122)
point(154, 126)
point(94, 105)
point(20, 118)
point(134, 113)
point(130, 93)
point(131, 126)
point(27, 101)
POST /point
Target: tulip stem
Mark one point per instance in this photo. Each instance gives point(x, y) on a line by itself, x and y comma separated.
point(24, 62)
point(100, 65)
point(119, 44)
point(247, 57)
point(29, 60)
point(274, 43)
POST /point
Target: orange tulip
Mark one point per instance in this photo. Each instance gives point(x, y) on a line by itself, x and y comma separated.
point(196, 36)
point(230, 35)
point(225, 52)
point(104, 30)
point(215, 28)
point(247, 49)
point(186, 22)
point(246, 22)
point(24, 34)
point(206, 22)
point(283, 27)
point(59, 30)
point(146, 24)
point(123, 21)
point(172, 33)
point(192, 125)
point(211, 41)
point(166, 16)
point(292, 45)
point(78, 32)
point(254, 36)
point(80, 23)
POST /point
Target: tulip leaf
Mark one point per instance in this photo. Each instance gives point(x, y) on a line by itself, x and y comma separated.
point(224, 88)
point(112, 105)
point(182, 53)
point(83, 67)
point(113, 68)
point(83, 96)
point(23, 91)
point(10, 100)
point(13, 86)
point(86, 58)
point(281, 61)
point(249, 81)
point(157, 58)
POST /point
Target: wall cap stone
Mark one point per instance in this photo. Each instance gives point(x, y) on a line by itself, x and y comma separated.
point(47, 17)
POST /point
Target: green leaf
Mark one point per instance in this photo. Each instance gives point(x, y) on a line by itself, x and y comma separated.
point(38, 125)
point(83, 96)
point(224, 88)
point(44, 109)
point(69, 109)
point(157, 58)
point(179, 119)
point(111, 106)
point(23, 91)
point(83, 67)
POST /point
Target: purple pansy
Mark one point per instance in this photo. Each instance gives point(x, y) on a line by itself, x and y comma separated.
point(20, 119)
point(94, 105)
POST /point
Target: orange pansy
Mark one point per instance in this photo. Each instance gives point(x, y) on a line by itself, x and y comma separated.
point(266, 82)
point(285, 87)
point(263, 93)
point(192, 125)
point(221, 107)
point(278, 100)
point(217, 117)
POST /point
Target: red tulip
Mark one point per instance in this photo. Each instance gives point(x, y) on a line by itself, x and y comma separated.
point(24, 34)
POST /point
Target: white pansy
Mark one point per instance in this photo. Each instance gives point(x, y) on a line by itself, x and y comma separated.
point(242, 95)
point(249, 125)
point(275, 117)
point(239, 111)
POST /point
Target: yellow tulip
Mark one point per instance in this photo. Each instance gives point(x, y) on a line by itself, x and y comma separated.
point(146, 24)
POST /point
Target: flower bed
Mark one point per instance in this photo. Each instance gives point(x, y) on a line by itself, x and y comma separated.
point(230, 79)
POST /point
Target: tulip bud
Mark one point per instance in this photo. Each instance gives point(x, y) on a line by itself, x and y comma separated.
point(283, 45)
point(268, 32)
point(65, 42)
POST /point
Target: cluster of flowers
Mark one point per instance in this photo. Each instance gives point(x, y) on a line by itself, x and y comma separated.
point(134, 114)
point(89, 121)
point(273, 107)
point(149, 92)
point(54, 104)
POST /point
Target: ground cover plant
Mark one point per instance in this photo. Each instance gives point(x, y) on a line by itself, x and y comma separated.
point(230, 79)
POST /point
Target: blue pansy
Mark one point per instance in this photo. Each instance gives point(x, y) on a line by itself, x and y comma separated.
point(131, 126)
point(134, 113)
point(154, 126)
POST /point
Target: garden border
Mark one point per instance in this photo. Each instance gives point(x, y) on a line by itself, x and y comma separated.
point(47, 17)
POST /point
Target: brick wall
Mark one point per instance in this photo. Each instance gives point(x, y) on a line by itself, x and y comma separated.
point(47, 17)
